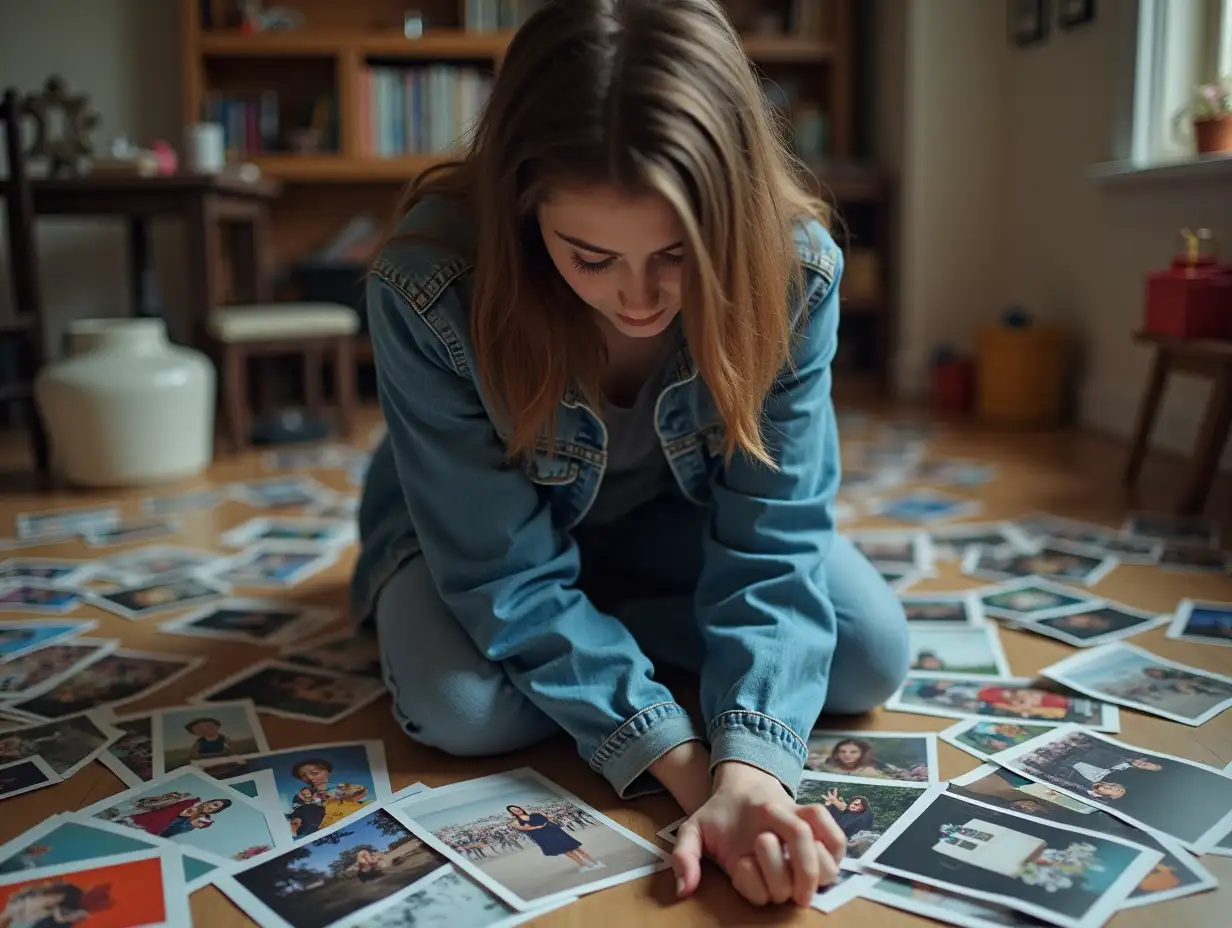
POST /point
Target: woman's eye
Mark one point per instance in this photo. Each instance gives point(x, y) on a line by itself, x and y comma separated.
point(590, 267)
point(672, 260)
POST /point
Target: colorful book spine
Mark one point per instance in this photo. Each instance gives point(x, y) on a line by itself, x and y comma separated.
point(422, 110)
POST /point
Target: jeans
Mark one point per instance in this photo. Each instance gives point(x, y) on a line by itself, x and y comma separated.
point(641, 569)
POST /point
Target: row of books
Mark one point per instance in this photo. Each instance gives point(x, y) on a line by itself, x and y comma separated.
point(420, 110)
point(498, 14)
point(256, 123)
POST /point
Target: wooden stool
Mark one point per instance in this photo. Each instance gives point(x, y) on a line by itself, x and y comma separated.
point(1208, 358)
point(313, 330)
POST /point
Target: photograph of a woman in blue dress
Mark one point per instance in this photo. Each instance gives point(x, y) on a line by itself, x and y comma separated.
point(551, 838)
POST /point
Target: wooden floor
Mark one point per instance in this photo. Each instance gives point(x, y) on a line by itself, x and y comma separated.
point(1065, 473)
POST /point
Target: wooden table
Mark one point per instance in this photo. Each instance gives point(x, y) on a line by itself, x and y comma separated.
point(1209, 358)
point(204, 203)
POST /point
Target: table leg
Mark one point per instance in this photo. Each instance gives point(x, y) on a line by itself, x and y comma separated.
point(250, 257)
point(344, 385)
point(141, 273)
point(314, 372)
point(1160, 369)
point(202, 241)
point(1209, 447)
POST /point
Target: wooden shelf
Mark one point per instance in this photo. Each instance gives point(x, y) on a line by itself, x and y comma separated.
point(341, 169)
point(787, 49)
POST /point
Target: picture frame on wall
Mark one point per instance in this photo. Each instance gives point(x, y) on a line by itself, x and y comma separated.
point(1074, 13)
point(1028, 22)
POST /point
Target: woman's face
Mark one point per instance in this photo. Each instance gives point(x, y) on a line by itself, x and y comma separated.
point(856, 805)
point(314, 775)
point(518, 811)
point(848, 753)
point(621, 254)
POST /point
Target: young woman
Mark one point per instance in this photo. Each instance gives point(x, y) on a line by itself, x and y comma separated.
point(551, 839)
point(603, 344)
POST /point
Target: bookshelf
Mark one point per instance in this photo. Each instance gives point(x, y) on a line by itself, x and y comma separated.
point(309, 103)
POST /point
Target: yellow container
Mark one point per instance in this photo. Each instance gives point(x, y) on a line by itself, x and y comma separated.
point(1021, 375)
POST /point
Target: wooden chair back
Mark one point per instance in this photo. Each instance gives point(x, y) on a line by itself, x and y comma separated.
point(19, 208)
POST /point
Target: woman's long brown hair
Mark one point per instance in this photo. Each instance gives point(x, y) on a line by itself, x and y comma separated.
point(643, 95)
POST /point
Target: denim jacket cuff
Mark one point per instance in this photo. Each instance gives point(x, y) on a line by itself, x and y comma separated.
point(630, 750)
point(759, 741)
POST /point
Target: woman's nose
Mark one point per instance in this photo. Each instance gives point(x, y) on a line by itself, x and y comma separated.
point(641, 294)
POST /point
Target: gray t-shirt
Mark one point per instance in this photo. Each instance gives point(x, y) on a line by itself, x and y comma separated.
point(637, 471)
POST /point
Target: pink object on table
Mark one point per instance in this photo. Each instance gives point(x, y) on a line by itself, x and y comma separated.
point(165, 156)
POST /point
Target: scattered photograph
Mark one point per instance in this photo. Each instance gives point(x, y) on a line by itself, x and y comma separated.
point(131, 757)
point(195, 733)
point(1177, 873)
point(909, 551)
point(950, 609)
point(280, 492)
point(191, 501)
point(276, 565)
point(898, 578)
point(336, 875)
point(297, 692)
point(982, 738)
point(1097, 625)
point(355, 652)
point(859, 480)
point(1141, 787)
point(1127, 549)
point(955, 473)
point(924, 506)
point(53, 571)
point(33, 673)
point(960, 697)
point(260, 621)
point(1031, 598)
point(1173, 529)
point(526, 839)
point(22, 776)
point(309, 531)
point(1210, 623)
point(863, 808)
point(143, 888)
point(143, 565)
point(1055, 561)
point(114, 678)
point(970, 651)
point(875, 755)
point(66, 744)
point(951, 542)
point(127, 532)
point(324, 457)
point(24, 596)
point(1137, 679)
point(347, 507)
point(949, 908)
point(25, 636)
point(848, 885)
point(316, 786)
point(139, 601)
point(448, 897)
point(1073, 877)
point(1193, 559)
point(55, 524)
point(191, 809)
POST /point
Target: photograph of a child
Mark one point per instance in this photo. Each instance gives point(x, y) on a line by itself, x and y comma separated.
point(337, 874)
point(192, 733)
point(1210, 623)
point(136, 602)
point(49, 599)
point(276, 566)
point(67, 744)
point(21, 638)
point(1024, 600)
point(1135, 678)
point(527, 840)
point(943, 608)
point(973, 651)
point(877, 755)
point(863, 809)
point(983, 738)
point(1070, 877)
point(134, 751)
point(21, 776)
point(1098, 625)
point(23, 675)
point(1139, 786)
point(298, 692)
point(1177, 873)
point(114, 678)
point(133, 892)
point(64, 840)
point(960, 697)
point(192, 809)
point(353, 652)
point(317, 786)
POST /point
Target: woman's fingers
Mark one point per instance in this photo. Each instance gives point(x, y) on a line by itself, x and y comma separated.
point(687, 859)
point(747, 879)
point(827, 866)
point(825, 830)
point(775, 871)
point(798, 838)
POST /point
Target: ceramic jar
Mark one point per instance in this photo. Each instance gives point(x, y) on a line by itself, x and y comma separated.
point(126, 406)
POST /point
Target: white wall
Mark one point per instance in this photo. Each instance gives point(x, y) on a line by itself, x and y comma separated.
point(125, 55)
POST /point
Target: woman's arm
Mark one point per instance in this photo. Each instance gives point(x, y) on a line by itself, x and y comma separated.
point(505, 570)
point(763, 606)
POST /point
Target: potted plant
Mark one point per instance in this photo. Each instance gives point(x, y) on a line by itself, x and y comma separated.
point(1210, 114)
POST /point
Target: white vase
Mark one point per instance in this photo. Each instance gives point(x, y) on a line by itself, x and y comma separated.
point(126, 406)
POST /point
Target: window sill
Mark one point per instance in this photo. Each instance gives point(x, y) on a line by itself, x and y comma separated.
point(1207, 168)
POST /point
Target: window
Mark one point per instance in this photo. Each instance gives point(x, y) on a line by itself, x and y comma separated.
point(1180, 43)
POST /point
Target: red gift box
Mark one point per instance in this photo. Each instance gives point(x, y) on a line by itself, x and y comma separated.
point(1192, 298)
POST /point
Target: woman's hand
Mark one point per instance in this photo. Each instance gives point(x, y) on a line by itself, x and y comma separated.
point(773, 849)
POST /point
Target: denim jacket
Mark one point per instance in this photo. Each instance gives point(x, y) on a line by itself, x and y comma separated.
point(497, 536)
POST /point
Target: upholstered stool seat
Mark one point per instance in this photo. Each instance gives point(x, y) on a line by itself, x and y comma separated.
point(310, 330)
